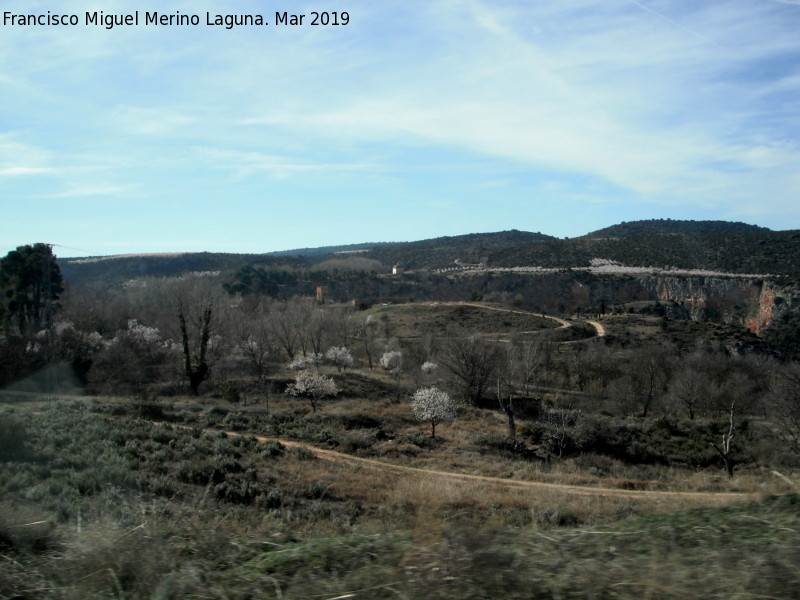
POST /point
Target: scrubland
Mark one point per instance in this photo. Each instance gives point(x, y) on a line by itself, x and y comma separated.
point(194, 498)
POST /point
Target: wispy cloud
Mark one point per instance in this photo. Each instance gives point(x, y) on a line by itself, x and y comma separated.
point(619, 98)
point(616, 103)
point(18, 171)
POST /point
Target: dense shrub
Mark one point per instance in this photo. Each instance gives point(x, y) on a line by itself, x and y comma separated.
point(13, 438)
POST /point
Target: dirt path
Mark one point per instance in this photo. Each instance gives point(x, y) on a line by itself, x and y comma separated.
point(563, 324)
point(348, 459)
point(601, 331)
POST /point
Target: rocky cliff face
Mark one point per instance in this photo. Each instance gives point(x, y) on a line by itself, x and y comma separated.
point(765, 309)
point(754, 303)
point(751, 302)
point(776, 303)
point(725, 299)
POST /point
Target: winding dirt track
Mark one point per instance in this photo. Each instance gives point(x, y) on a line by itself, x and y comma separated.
point(562, 323)
point(601, 331)
point(385, 467)
point(348, 459)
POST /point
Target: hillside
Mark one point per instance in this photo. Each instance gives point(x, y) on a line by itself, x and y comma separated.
point(115, 270)
point(663, 243)
point(674, 226)
point(444, 251)
point(433, 253)
point(764, 252)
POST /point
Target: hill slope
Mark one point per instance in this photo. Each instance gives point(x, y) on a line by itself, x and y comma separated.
point(674, 226)
point(767, 252)
point(444, 251)
point(707, 245)
point(432, 253)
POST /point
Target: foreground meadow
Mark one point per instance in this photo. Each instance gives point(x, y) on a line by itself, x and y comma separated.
point(116, 499)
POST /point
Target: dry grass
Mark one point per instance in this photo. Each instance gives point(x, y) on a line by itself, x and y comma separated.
point(351, 525)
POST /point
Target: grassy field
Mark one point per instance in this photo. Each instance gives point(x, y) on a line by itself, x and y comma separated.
point(409, 320)
point(110, 498)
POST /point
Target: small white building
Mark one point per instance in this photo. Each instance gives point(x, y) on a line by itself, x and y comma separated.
point(398, 270)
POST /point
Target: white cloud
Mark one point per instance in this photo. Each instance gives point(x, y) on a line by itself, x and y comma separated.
point(18, 171)
point(245, 164)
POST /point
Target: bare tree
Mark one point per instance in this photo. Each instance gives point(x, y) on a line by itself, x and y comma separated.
point(257, 349)
point(638, 389)
point(690, 389)
point(314, 329)
point(534, 357)
point(650, 368)
point(785, 393)
point(343, 325)
point(470, 362)
point(286, 323)
point(725, 450)
point(561, 429)
point(196, 364)
point(505, 375)
point(367, 334)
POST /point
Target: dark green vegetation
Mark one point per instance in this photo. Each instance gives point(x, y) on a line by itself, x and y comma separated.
point(443, 252)
point(30, 283)
point(708, 245)
point(673, 226)
point(764, 252)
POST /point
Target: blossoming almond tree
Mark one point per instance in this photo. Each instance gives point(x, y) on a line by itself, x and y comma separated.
point(305, 361)
point(314, 386)
point(434, 406)
point(392, 361)
point(340, 356)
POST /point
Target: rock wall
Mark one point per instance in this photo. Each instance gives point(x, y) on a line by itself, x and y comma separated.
point(725, 299)
point(751, 302)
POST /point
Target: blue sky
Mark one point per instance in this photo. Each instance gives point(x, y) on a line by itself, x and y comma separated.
point(420, 118)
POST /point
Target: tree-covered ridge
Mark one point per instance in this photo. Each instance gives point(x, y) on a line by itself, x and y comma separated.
point(444, 251)
point(433, 253)
point(745, 249)
point(325, 250)
point(118, 269)
point(674, 226)
point(766, 252)
point(298, 275)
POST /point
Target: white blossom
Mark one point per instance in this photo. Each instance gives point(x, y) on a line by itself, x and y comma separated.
point(312, 385)
point(143, 333)
point(429, 367)
point(432, 405)
point(304, 361)
point(340, 356)
point(392, 360)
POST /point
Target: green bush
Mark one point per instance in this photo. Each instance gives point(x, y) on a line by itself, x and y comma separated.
point(13, 438)
point(229, 390)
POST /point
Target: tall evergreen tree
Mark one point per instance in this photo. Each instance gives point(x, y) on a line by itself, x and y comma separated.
point(30, 284)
